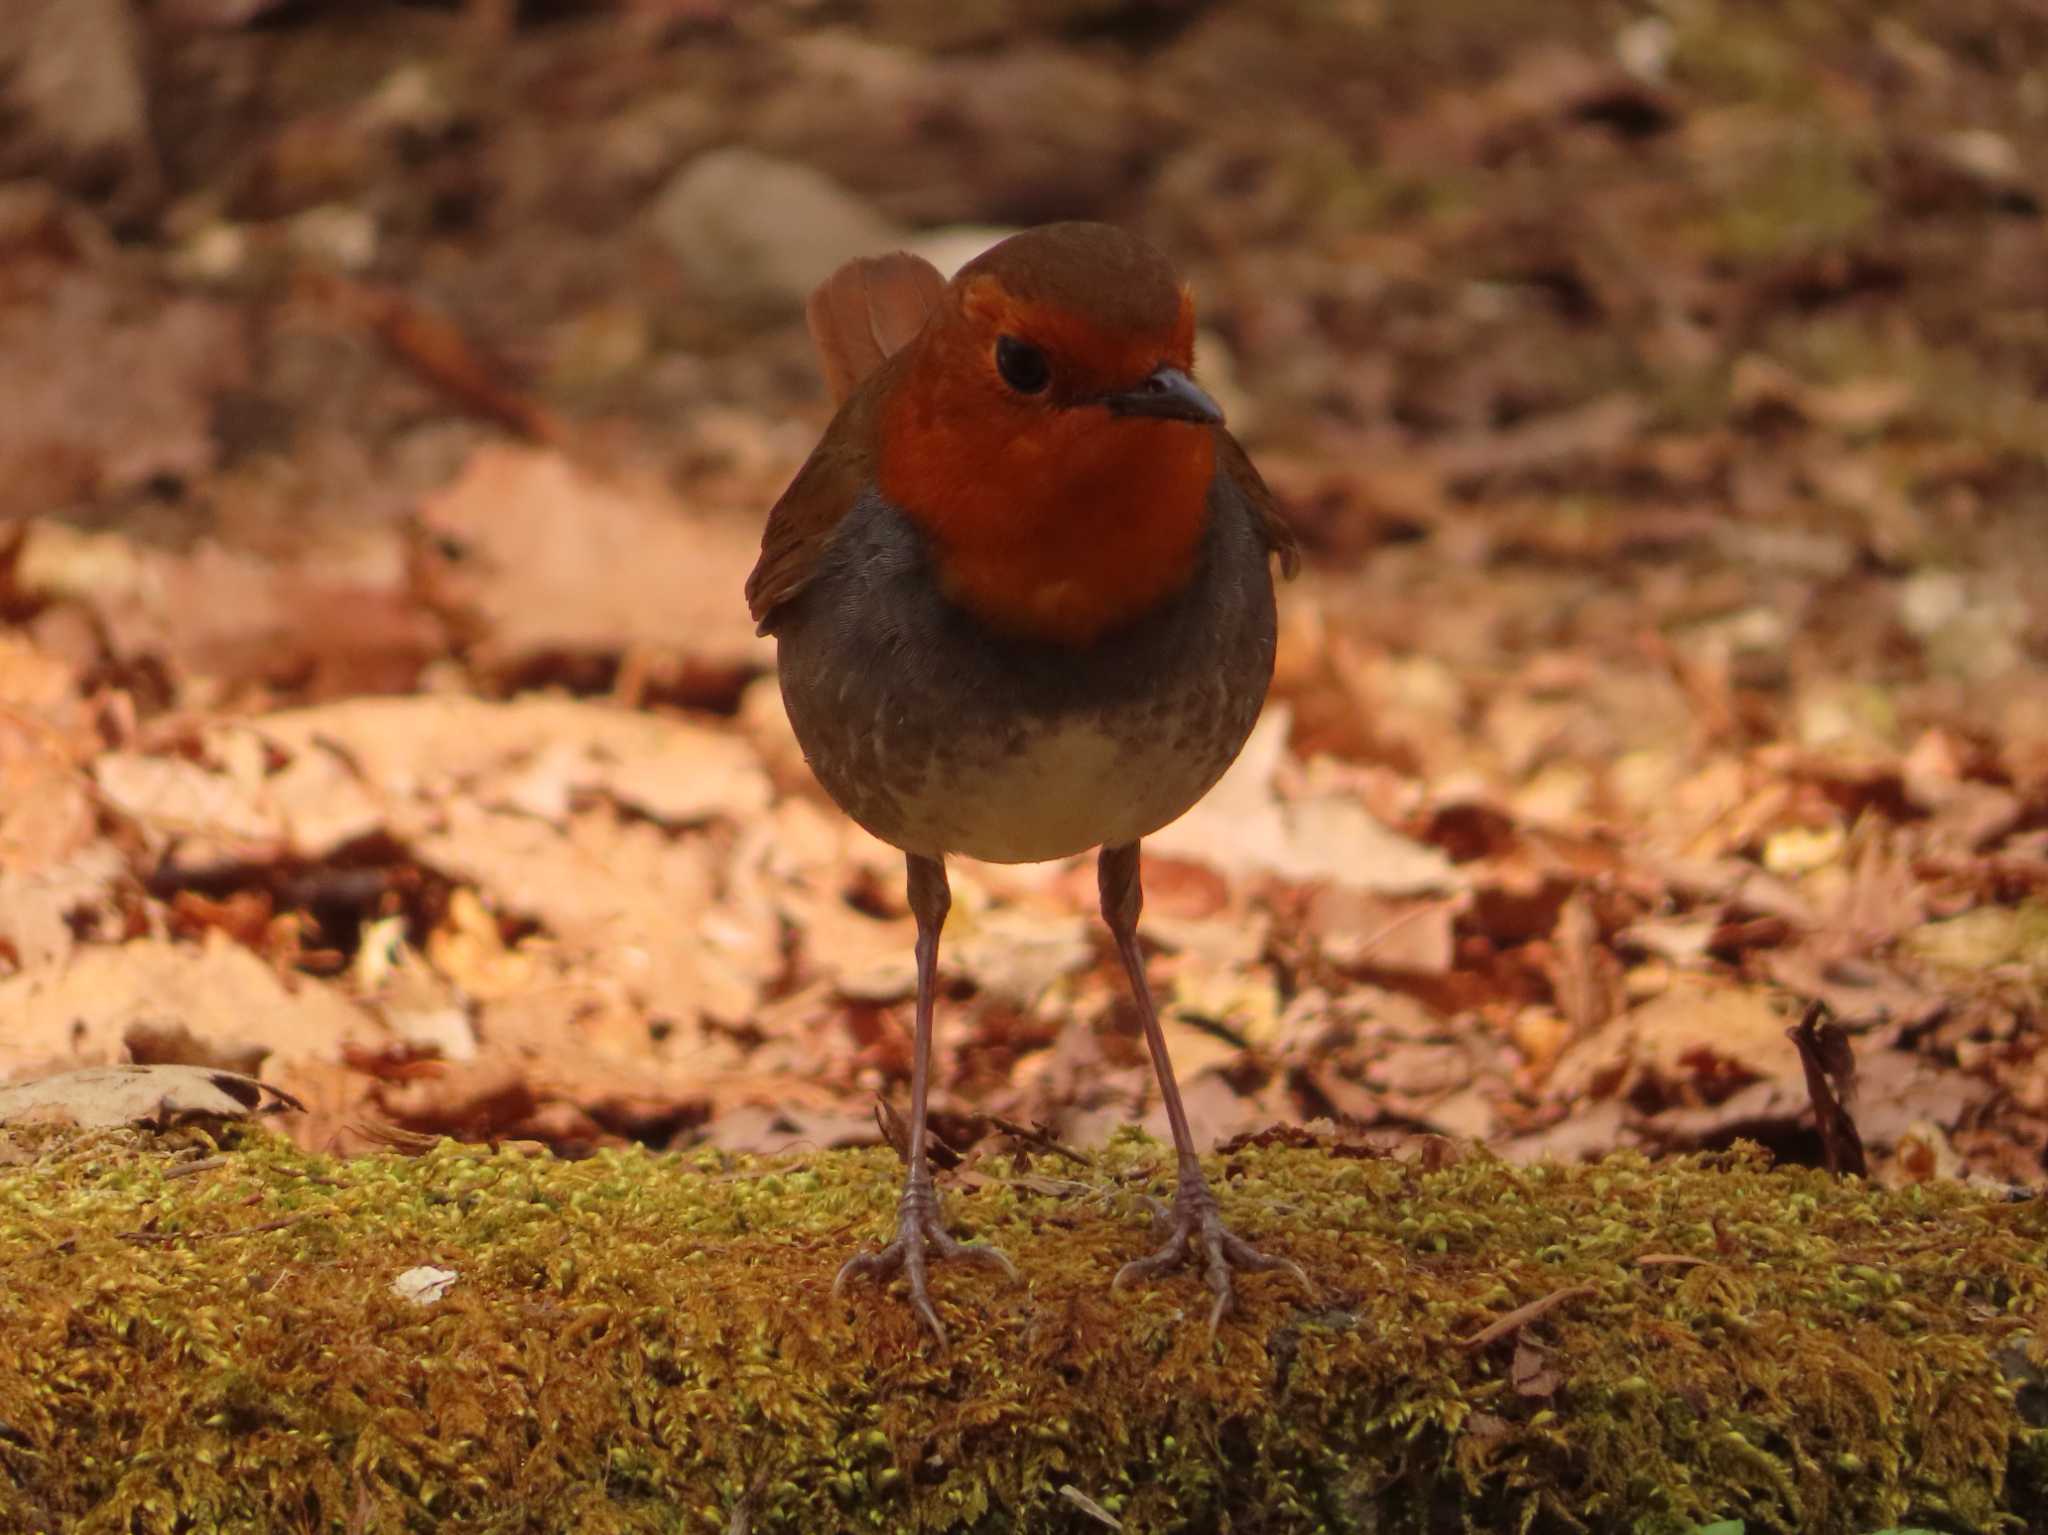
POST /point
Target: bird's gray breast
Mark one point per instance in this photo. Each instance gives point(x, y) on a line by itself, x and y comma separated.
point(941, 736)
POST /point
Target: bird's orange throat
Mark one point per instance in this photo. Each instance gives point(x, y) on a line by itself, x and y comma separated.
point(1053, 525)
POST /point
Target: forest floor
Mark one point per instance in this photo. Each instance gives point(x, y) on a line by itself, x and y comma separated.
point(391, 411)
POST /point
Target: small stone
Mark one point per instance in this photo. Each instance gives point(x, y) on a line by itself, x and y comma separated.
point(759, 232)
point(1644, 48)
point(337, 236)
point(73, 94)
point(214, 253)
point(1990, 163)
point(411, 100)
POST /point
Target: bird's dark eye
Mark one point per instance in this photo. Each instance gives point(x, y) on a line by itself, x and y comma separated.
point(1022, 365)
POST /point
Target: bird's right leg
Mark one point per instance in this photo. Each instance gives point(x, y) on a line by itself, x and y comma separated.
point(920, 1234)
point(1198, 1238)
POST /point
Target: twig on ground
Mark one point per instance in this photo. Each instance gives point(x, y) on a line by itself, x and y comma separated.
point(1522, 1316)
point(1830, 1067)
point(164, 1238)
point(1041, 1137)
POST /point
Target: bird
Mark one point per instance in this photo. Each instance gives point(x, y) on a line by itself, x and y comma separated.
point(1022, 598)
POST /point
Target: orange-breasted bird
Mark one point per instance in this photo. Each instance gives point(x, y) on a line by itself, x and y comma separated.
point(1023, 605)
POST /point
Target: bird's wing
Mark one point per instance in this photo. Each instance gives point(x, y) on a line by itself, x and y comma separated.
point(800, 524)
point(1235, 462)
point(861, 316)
point(866, 310)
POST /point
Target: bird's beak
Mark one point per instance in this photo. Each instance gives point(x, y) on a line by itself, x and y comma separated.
point(1169, 395)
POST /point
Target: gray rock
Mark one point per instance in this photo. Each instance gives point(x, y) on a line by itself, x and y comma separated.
point(71, 87)
point(759, 232)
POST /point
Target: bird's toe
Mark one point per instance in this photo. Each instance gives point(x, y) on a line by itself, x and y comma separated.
point(920, 1238)
point(1200, 1238)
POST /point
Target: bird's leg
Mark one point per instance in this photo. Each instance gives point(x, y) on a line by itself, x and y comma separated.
point(919, 1232)
point(1197, 1236)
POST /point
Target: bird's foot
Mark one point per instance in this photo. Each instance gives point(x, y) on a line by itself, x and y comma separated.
point(920, 1237)
point(1197, 1237)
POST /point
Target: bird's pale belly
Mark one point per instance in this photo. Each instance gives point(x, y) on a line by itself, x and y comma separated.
point(1054, 789)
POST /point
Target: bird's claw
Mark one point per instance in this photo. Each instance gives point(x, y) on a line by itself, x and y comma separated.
point(1196, 1219)
point(920, 1237)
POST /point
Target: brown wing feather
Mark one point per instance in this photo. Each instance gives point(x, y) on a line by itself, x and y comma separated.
point(861, 316)
point(1235, 462)
point(800, 524)
point(866, 310)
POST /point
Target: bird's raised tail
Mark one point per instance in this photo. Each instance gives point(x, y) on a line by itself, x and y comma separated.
point(866, 310)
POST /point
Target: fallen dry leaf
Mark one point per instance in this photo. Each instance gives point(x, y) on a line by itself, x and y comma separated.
point(555, 560)
point(79, 1012)
point(1360, 929)
point(1243, 827)
point(423, 1286)
point(1242, 1004)
point(44, 913)
point(765, 1130)
point(171, 797)
point(47, 814)
point(151, 1042)
point(864, 958)
point(1532, 1374)
point(1015, 953)
point(1584, 976)
point(535, 756)
point(71, 436)
point(1712, 1031)
point(343, 612)
point(624, 894)
point(157, 1097)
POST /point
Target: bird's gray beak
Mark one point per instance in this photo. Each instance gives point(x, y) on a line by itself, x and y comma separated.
point(1169, 395)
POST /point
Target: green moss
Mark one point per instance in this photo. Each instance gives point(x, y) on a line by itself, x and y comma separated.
point(641, 1342)
point(1970, 392)
point(1728, 56)
point(1987, 938)
point(1801, 188)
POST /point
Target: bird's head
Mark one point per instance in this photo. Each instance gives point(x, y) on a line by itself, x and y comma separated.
point(1047, 434)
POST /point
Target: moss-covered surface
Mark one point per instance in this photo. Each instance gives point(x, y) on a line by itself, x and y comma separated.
point(647, 1343)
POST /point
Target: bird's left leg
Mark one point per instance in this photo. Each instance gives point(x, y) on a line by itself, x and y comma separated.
point(1197, 1234)
point(919, 1229)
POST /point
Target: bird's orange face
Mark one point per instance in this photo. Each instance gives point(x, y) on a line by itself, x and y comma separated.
point(1056, 452)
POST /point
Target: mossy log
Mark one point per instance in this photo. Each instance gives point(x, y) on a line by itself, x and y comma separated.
point(642, 1342)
